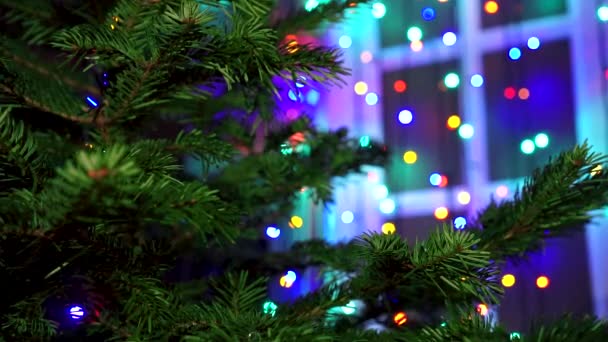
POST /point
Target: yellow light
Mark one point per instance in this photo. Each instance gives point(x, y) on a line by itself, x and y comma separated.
point(284, 282)
point(596, 170)
point(410, 157)
point(508, 280)
point(482, 309)
point(464, 197)
point(360, 88)
point(416, 45)
point(366, 57)
point(453, 122)
point(296, 221)
point(542, 282)
point(388, 228)
point(400, 318)
point(441, 213)
point(112, 26)
point(491, 7)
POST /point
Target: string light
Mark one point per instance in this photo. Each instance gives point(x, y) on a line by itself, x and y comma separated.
point(508, 280)
point(273, 232)
point(542, 282)
point(596, 170)
point(380, 191)
point(602, 13)
point(400, 86)
point(416, 45)
point(360, 88)
point(400, 318)
point(378, 10)
point(91, 101)
point(405, 117)
point(428, 13)
point(527, 146)
point(466, 131)
point(502, 191)
point(514, 53)
point(414, 34)
point(464, 197)
point(270, 308)
point(347, 216)
point(515, 336)
point(477, 80)
point(449, 38)
point(451, 80)
point(349, 308)
point(366, 57)
point(523, 93)
point(482, 309)
point(76, 312)
point(371, 99)
point(460, 222)
point(364, 141)
point(388, 228)
point(387, 206)
point(410, 157)
point(533, 43)
point(491, 7)
point(453, 122)
point(510, 93)
point(345, 42)
point(296, 222)
point(541, 140)
point(435, 179)
point(441, 213)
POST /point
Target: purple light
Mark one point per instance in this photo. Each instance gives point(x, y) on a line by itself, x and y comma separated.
point(76, 312)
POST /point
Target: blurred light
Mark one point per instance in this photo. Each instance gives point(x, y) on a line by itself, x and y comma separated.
point(527, 146)
point(541, 140)
point(405, 117)
point(292, 114)
point(523, 93)
point(373, 177)
point(482, 309)
point(416, 45)
point(347, 216)
point(296, 221)
point(515, 53)
point(444, 181)
point(387, 206)
point(366, 57)
point(371, 99)
point(378, 10)
point(414, 34)
point(453, 122)
point(451, 80)
point(349, 308)
point(284, 282)
point(311, 5)
point(464, 198)
point(345, 42)
point(292, 96)
point(477, 80)
point(76, 312)
point(510, 93)
point(388, 228)
point(460, 222)
point(360, 88)
point(400, 86)
point(380, 191)
point(490, 7)
point(91, 101)
point(515, 336)
point(435, 179)
point(364, 141)
point(273, 232)
point(410, 157)
point(596, 170)
point(270, 308)
point(542, 282)
point(449, 38)
point(291, 276)
point(602, 13)
point(533, 43)
point(466, 131)
point(441, 213)
point(313, 97)
point(502, 191)
point(400, 318)
point(428, 13)
point(508, 280)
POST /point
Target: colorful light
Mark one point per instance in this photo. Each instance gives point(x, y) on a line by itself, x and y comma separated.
point(441, 213)
point(527, 146)
point(91, 101)
point(541, 140)
point(371, 99)
point(347, 217)
point(449, 38)
point(508, 280)
point(345, 42)
point(76, 312)
point(270, 308)
point(602, 13)
point(477, 80)
point(464, 197)
point(284, 282)
point(460, 222)
point(466, 131)
point(311, 5)
point(296, 222)
point(416, 45)
point(514, 53)
point(405, 117)
point(360, 88)
point(388, 228)
point(378, 10)
point(410, 157)
point(273, 232)
point(451, 80)
point(435, 179)
point(523, 93)
point(414, 34)
point(400, 318)
point(502, 191)
point(533, 43)
point(542, 282)
point(364, 141)
point(510, 93)
point(366, 57)
point(380, 191)
point(515, 336)
point(400, 86)
point(596, 170)
point(491, 7)
point(482, 309)
point(453, 122)
point(387, 206)
point(349, 308)
point(312, 97)
point(444, 181)
point(428, 13)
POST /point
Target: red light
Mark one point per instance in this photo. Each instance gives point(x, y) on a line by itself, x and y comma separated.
point(400, 318)
point(444, 181)
point(510, 93)
point(400, 86)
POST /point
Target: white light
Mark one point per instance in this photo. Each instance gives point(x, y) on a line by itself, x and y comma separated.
point(378, 10)
point(466, 131)
point(449, 38)
point(406, 117)
point(380, 191)
point(347, 216)
point(460, 222)
point(387, 206)
point(273, 232)
point(533, 43)
point(345, 42)
point(290, 277)
point(477, 80)
point(371, 98)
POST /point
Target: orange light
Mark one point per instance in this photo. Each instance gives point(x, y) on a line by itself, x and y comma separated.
point(284, 282)
point(444, 181)
point(441, 213)
point(453, 122)
point(482, 309)
point(416, 45)
point(400, 86)
point(508, 280)
point(523, 93)
point(400, 318)
point(491, 7)
point(542, 282)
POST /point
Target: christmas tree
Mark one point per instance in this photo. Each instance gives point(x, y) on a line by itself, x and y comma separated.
point(101, 102)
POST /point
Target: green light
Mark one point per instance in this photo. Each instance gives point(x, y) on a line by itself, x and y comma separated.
point(541, 140)
point(270, 308)
point(378, 10)
point(414, 34)
point(451, 80)
point(515, 336)
point(444, 324)
point(312, 4)
point(527, 146)
point(602, 13)
point(364, 141)
point(286, 149)
point(349, 308)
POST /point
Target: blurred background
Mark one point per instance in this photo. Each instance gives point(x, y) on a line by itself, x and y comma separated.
point(469, 96)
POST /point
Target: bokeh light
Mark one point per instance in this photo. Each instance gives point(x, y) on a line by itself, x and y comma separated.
point(388, 228)
point(414, 34)
point(453, 122)
point(400, 318)
point(410, 157)
point(523, 93)
point(76, 312)
point(428, 13)
point(477, 80)
point(541, 140)
point(270, 308)
point(466, 131)
point(435, 179)
point(490, 7)
point(449, 38)
point(508, 280)
point(364, 141)
point(400, 86)
point(527, 146)
point(273, 232)
point(502, 191)
point(284, 282)
point(349, 308)
point(405, 116)
point(510, 93)
point(533, 43)
point(602, 13)
point(482, 309)
point(366, 57)
point(443, 182)
point(514, 53)
point(387, 206)
point(296, 222)
point(380, 191)
point(313, 97)
point(345, 42)
point(416, 45)
point(451, 80)
point(360, 88)
point(460, 222)
point(542, 282)
point(441, 213)
point(347, 216)
point(371, 99)
point(464, 197)
point(514, 336)
point(378, 10)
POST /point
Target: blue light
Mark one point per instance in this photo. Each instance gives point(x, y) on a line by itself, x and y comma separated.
point(381, 191)
point(313, 97)
point(460, 222)
point(91, 101)
point(477, 80)
point(345, 42)
point(290, 277)
point(405, 117)
point(515, 53)
point(76, 312)
point(371, 98)
point(449, 38)
point(387, 206)
point(348, 216)
point(533, 43)
point(435, 179)
point(273, 232)
point(428, 13)
point(466, 131)
point(292, 95)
